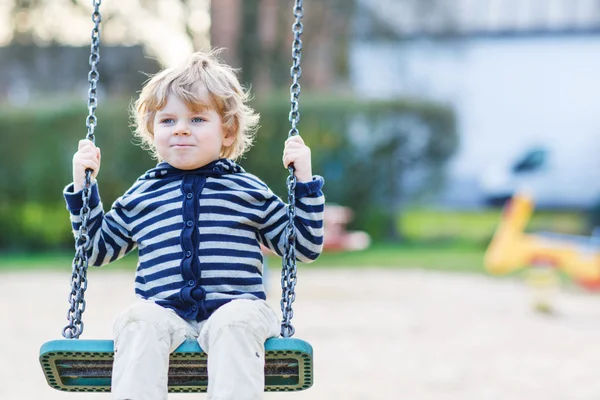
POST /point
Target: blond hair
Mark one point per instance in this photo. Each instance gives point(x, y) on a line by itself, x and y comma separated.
point(226, 93)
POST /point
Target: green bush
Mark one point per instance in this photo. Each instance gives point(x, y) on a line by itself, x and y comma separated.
point(362, 148)
point(30, 226)
point(476, 227)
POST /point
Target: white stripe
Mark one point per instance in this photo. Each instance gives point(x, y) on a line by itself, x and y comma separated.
point(232, 288)
point(148, 257)
point(231, 206)
point(309, 215)
point(223, 296)
point(159, 224)
point(229, 260)
point(204, 216)
point(231, 184)
point(218, 230)
point(161, 210)
point(159, 267)
point(140, 186)
point(93, 213)
point(279, 214)
point(315, 248)
point(150, 200)
point(242, 196)
point(229, 246)
point(227, 273)
point(96, 251)
point(277, 228)
point(103, 233)
point(142, 189)
point(253, 180)
point(312, 201)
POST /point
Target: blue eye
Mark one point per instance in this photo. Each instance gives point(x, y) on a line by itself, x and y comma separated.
point(197, 119)
point(167, 120)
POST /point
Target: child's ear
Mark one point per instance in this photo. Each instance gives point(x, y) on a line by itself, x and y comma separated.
point(228, 139)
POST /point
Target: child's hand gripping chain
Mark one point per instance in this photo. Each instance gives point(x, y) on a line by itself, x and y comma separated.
point(87, 157)
point(297, 153)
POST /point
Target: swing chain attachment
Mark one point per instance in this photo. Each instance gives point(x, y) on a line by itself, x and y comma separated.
point(83, 243)
point(94, 75)
point(289, 270)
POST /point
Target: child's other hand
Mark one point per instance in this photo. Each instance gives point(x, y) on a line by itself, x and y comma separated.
point(87, 157)
point(297, 153)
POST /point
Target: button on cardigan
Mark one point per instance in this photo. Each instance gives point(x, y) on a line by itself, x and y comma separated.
point(198, 233)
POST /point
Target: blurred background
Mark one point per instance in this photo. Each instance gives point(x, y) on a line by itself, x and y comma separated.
point(424, 117)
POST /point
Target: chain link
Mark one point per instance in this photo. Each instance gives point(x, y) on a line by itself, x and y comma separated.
point(94, 75)
point(83, 243)
point(289, 269)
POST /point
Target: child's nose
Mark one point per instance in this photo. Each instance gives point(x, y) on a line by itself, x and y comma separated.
point(181, 129)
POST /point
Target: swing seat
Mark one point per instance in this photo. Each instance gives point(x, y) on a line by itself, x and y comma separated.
point(86, 365)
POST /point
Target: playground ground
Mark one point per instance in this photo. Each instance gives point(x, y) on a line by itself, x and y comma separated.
point(377, 334)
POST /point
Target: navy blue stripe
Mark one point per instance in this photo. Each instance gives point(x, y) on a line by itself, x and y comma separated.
point(303, 230)
point(305, 252)
point(274, 225)
point(158, 218)
point(115, 229)
point(215, 237)
point(232, 281)
point(159, 260)
point(227, 224)
point(222, 189)
point(260, 295)
point(144, 211)
point(309, 208)
point(174, 241)
point(164, 230)
point(149, 195)
point(231, 253)
point(299, 221)
point(204, 266)
point(273, 244)
point(101, 253)
point(249, 181)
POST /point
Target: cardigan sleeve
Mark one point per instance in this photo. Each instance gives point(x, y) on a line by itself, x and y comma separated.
point(109, 234)
point(308, 221)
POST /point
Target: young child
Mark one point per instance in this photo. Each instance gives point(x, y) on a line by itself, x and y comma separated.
point(198, 220)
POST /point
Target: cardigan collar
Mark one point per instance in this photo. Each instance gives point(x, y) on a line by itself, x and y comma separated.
point(222, 166)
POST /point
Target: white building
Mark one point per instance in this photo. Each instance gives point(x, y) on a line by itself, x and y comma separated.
point(521, 76)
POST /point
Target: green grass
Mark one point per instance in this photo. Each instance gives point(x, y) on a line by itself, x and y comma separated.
point(477, 226)
point(446, 258)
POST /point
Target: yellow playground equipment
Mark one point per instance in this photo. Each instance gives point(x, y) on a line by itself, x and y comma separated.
point(512, 249)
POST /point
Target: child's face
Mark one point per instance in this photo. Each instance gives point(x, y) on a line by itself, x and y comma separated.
point(187, 139)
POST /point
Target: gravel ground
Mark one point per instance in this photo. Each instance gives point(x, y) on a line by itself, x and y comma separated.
point(377, 334)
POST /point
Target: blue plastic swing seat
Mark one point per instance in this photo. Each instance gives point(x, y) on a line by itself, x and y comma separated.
point(86, 365)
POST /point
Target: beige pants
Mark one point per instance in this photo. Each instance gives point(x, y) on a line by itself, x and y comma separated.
point(233, 337)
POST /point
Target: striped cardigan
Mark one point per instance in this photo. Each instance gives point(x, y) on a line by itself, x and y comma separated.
point(198, 233)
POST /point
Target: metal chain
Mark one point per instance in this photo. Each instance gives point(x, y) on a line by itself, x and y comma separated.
point(83, 242)
point(94, 75)
point(289, 270)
